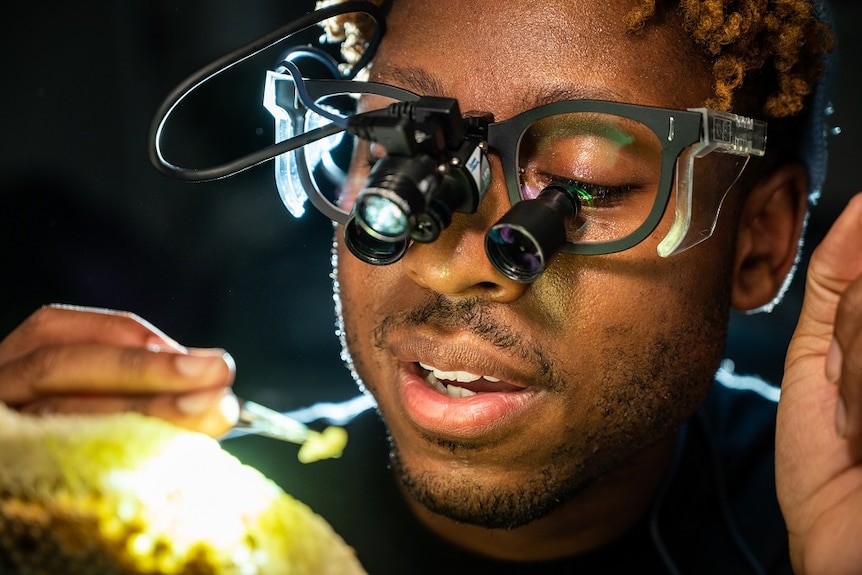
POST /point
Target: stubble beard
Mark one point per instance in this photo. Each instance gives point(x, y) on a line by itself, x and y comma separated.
point(462, 499)
point(647, 391)
point(575, 466)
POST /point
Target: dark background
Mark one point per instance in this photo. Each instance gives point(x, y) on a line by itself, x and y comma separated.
point(85, 219)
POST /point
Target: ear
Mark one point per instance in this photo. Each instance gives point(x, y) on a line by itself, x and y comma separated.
point(768, 238)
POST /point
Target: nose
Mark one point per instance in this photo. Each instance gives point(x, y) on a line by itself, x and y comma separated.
point(455, 264)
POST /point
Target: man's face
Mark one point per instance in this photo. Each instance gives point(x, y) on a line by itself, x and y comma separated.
point(603, 356)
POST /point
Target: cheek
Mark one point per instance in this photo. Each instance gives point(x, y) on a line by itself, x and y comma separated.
point(637, 338)
point(355, 287)
point(366, 293)
point(635, 300)
point(639, 279)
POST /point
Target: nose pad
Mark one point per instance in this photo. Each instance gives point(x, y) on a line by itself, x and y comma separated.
point(455, 264)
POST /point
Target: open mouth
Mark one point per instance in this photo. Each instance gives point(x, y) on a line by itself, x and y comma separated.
point(465, 404)
point(458, 384)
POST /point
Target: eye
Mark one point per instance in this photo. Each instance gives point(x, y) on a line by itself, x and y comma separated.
point(590, 194)
point(594, 195)
point(607, 160)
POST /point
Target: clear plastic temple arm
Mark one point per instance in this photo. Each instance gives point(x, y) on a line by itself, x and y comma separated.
point(731, 134)
point(722, 132)
point(286, 170)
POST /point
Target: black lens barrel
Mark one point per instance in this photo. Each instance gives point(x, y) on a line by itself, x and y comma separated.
point(435, 165)
point(521, 244)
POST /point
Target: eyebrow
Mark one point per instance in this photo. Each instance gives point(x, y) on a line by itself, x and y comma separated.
point(423, 82)
point(564, 92)
point(417, 80)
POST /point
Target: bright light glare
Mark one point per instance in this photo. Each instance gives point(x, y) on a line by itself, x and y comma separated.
point(177, 487)
point(384, 216)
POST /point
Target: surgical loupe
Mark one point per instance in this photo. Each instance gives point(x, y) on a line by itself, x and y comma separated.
point(434, 166)
point(436, 160)
point(522, 242)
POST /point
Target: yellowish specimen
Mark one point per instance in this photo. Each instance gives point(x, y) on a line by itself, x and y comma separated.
point(326, 444)
point(128, 494)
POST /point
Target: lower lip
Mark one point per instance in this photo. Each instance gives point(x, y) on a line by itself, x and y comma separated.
point(466, 417)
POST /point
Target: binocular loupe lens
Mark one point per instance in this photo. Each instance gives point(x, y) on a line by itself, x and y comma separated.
point(394, 195)
point(435, 165)
point(406, 198)
point(384, 217)
point(369, 248)
point(523, 241)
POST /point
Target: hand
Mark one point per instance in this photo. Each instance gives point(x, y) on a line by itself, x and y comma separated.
point(819, 433)
point(85, 360)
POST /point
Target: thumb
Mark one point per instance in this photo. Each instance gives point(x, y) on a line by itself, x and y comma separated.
point(831, 315)
point(834, 265)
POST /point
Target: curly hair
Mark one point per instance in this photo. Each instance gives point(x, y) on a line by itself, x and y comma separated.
point(776, 47)
point(778, 43)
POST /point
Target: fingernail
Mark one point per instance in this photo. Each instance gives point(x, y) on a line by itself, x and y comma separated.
point(840, 417)
point(196, 402)
point(156, 343)
point(229, 406)
point(834, 358)
point(196, 365)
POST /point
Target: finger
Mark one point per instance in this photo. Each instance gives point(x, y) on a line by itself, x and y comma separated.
point(57, 324)
point(832, 312)
point(212, 411)
point(100, 369)
point(846, 349)
point(833, 266)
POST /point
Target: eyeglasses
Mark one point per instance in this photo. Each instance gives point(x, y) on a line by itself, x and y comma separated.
point(583, 177)
point(618, 161)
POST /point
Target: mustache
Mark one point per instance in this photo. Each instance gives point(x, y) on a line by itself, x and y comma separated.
point(474, 316)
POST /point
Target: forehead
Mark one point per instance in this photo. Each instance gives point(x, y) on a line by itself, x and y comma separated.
point(508, 56)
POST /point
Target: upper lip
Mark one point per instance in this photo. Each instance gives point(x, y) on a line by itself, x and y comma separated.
point(459, 352)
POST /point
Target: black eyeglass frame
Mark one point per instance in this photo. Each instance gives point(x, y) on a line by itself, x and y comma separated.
point(676, 130)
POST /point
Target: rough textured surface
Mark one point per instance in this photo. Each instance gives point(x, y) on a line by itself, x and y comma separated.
point(128, 494)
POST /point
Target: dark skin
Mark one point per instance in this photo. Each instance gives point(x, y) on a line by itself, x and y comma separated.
point(600, 360)
point(818, 471)
point(597, 429)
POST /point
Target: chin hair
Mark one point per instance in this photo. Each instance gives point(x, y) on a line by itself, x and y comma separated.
point(494, 507)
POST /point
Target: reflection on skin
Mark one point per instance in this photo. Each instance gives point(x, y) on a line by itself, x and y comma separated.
point(561, 453)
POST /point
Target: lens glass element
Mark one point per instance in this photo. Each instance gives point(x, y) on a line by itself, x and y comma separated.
point(514, 252)
point(612, 163)
point(383, 216)
point(371, 249)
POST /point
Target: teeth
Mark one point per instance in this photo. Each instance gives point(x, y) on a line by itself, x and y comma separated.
point(459, 376)
point(435, 383)
point(453, 391)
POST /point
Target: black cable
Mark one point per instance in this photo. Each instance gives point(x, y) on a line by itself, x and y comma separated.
point(235, 57)
point(306, 100)
point(314, 53)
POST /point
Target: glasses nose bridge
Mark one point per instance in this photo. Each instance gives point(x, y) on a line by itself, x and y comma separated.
point(503, 138)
